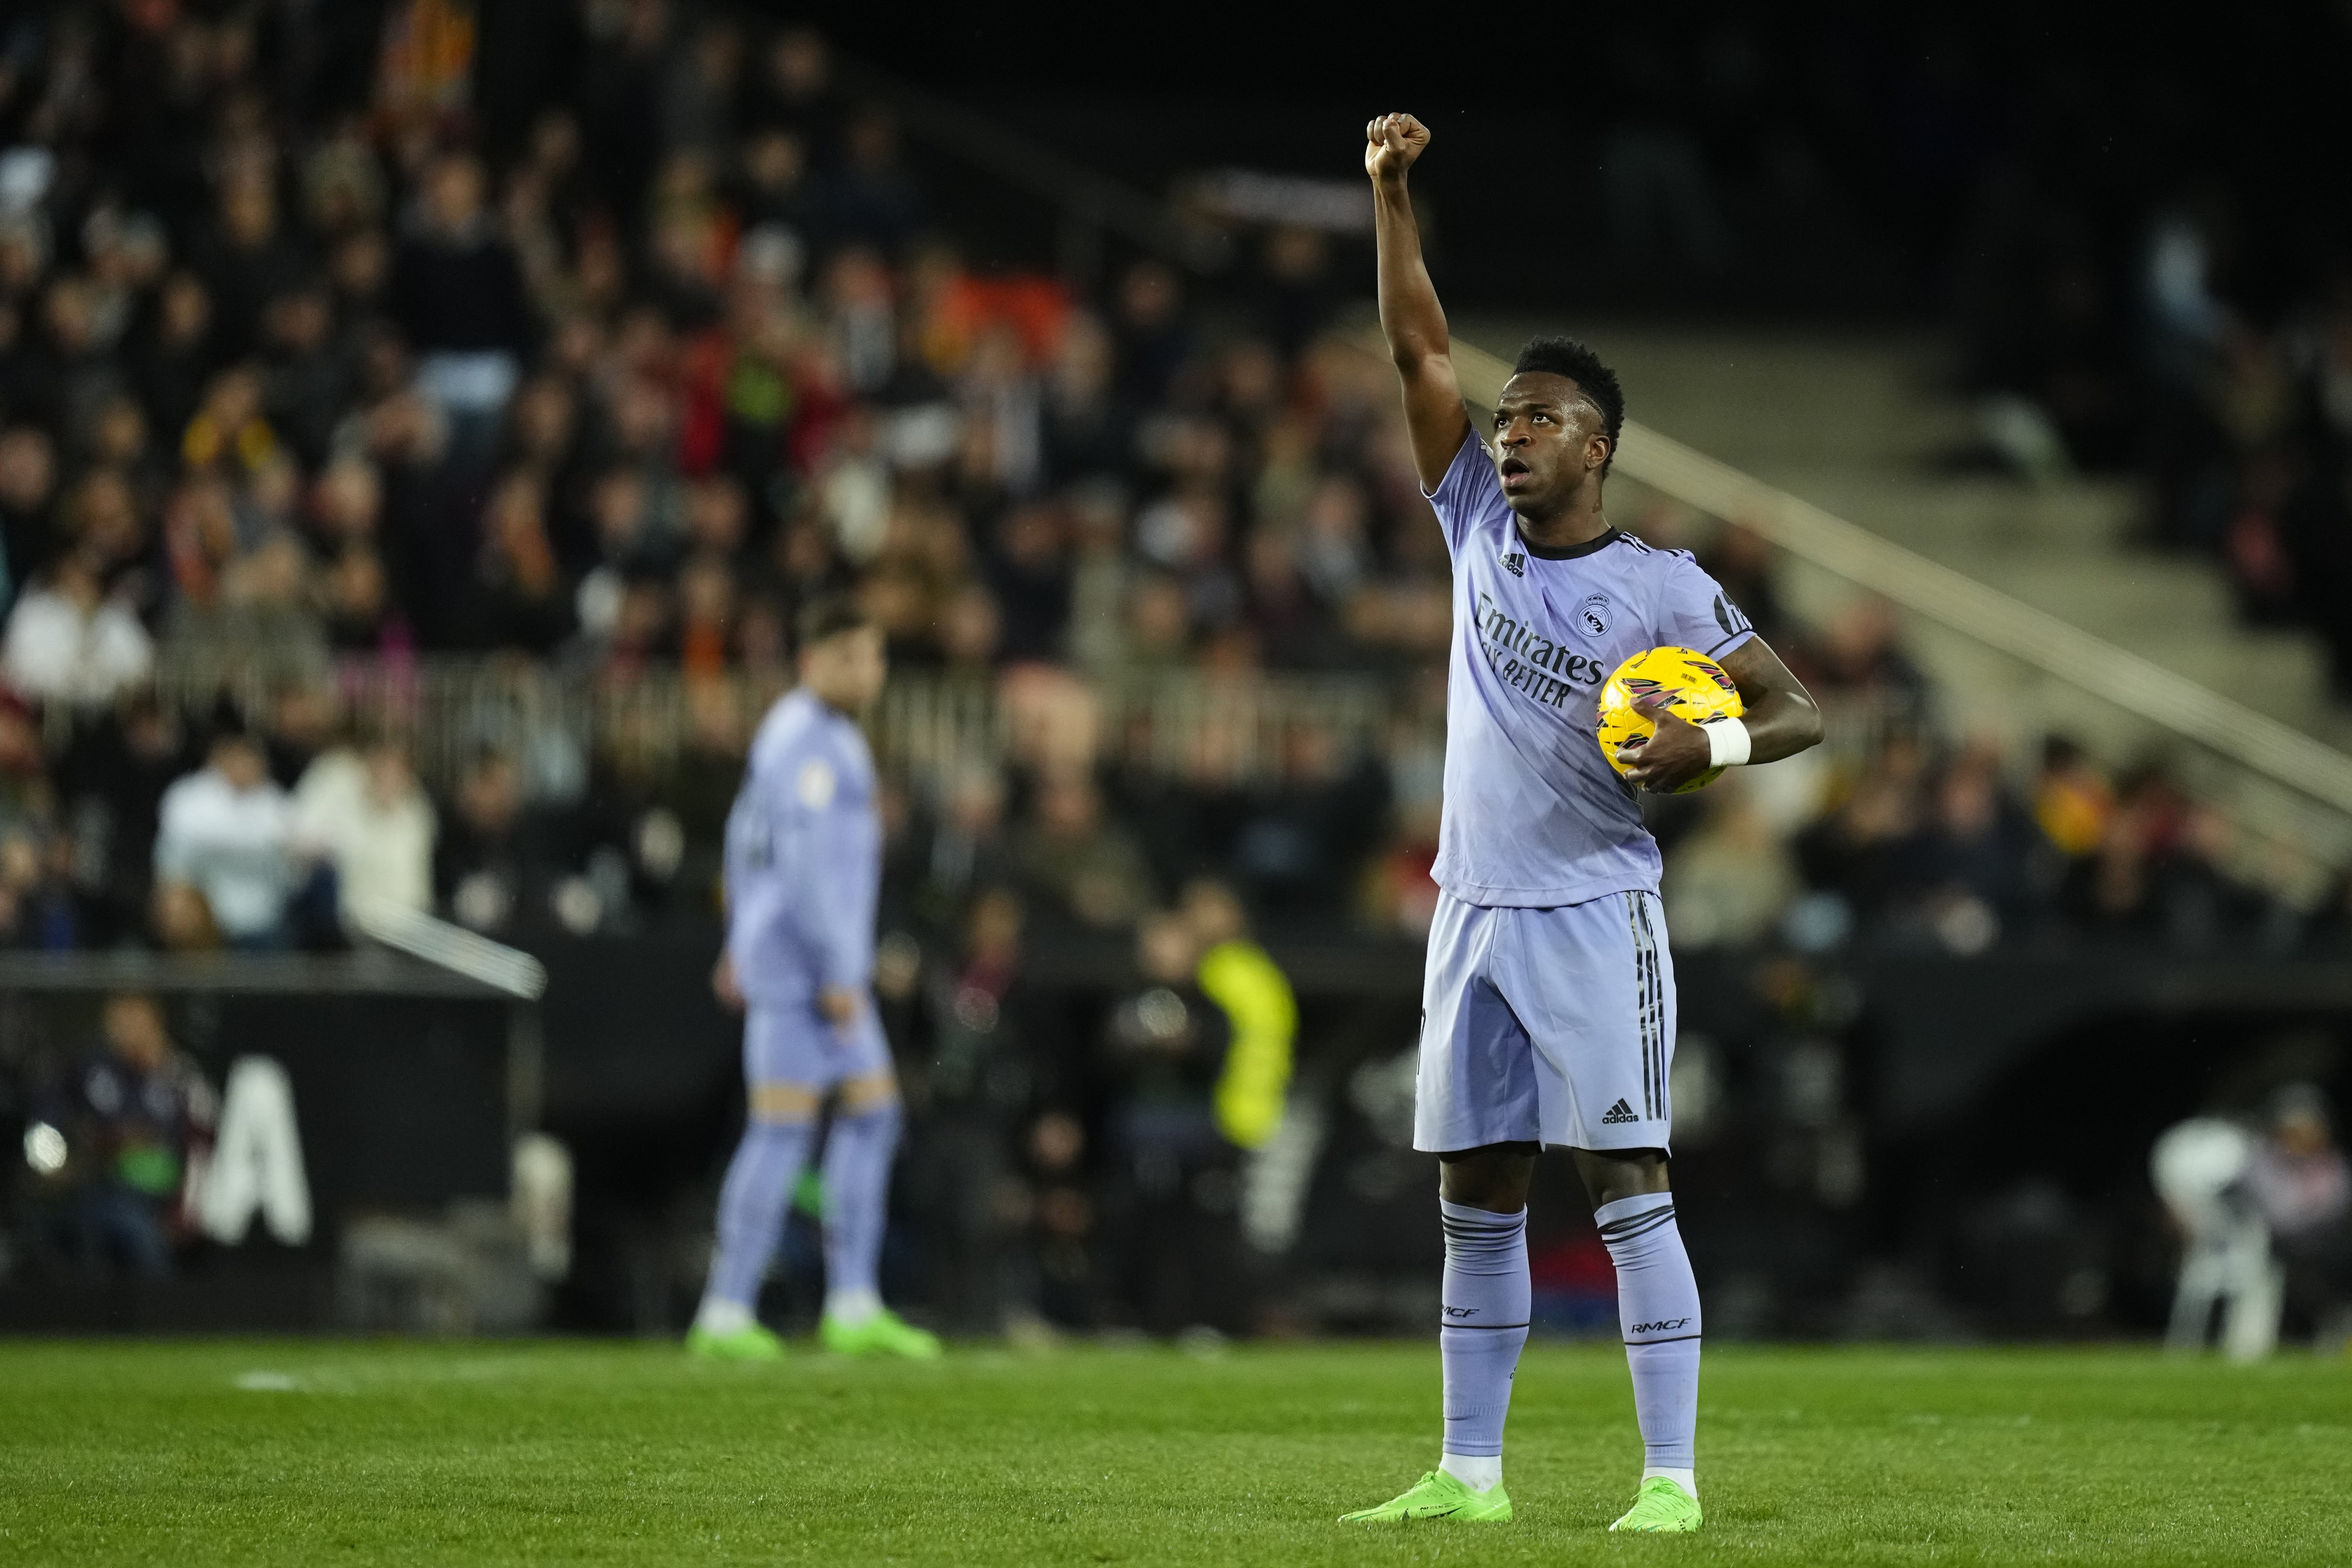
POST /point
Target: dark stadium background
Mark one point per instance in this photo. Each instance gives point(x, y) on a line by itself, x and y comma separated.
point(1907, 1141)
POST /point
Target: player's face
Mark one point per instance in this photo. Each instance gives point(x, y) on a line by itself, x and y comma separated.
point(1548, 437)
point(847, 668)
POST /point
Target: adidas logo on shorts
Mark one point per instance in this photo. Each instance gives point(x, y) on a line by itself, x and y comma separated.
point(1621, 1111)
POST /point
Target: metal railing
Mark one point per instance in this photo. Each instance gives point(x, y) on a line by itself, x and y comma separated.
point(1245, 729)
point(557, 720)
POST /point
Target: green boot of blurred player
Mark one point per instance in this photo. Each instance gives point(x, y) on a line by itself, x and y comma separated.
point(877, 1330)
point(721, 1334)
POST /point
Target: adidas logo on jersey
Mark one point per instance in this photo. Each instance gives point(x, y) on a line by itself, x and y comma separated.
point(1514, 562)
point(1621, 1111)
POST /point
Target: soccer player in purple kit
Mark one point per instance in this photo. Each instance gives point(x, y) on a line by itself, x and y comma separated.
point(1548, 998)
point(803, 870)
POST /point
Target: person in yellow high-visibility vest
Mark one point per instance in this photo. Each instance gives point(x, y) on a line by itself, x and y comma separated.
point(1239, 976)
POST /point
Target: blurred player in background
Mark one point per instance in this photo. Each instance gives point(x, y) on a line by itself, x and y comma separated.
point(803, 869)
point(1549, 999)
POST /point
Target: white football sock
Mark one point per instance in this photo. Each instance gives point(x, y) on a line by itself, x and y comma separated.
point(851, 1308)
point(722, 1317)
point(1686, 1480)
point(1479, 1472)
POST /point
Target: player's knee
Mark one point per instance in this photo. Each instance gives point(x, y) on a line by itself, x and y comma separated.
point(1612, 1174)
point(783, 1105)
point(870, 1094)
point(1494, 1178)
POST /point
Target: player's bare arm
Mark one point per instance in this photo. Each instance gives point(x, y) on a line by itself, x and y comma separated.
point(1411, 316)
point(1781, 721)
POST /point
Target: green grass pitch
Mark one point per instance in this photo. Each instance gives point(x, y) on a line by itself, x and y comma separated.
point(322, 1453)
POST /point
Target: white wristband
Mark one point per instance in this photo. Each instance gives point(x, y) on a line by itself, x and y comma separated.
point(1726, 744)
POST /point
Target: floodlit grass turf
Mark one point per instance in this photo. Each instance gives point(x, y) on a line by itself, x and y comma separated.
point(267, 1452)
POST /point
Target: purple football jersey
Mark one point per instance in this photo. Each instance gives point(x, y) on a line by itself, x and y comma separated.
point(803, 856)
point(1535, 816)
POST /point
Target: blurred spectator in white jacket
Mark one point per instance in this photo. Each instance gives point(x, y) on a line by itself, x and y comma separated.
point(363, 812)
point(226, 865)
point(68, 642)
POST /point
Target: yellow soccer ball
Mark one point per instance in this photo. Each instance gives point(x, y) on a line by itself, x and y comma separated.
point(1703, 694)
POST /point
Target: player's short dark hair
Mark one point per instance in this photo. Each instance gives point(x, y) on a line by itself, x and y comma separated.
point(828, 616)
point(1566, 356)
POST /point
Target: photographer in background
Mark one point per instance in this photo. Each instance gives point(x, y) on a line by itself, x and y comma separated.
point(2302, 1186)
point(1176, 1188)
point(123, 1122)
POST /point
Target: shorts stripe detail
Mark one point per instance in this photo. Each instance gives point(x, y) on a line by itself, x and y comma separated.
point(1653, 1008)
point(1658, 1041)
point(1641, 991)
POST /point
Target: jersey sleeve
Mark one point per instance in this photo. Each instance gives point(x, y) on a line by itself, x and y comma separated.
point(1696, 613)
point(1468, 495)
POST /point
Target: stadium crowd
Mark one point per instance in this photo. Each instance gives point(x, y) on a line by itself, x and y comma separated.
point(319, 355)
point(293, 376)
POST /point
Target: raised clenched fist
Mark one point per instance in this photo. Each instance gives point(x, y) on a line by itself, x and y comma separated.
point(1390, 144)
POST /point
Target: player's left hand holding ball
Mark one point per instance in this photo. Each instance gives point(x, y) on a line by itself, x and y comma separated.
point(1656, 719)
point(1676, 754)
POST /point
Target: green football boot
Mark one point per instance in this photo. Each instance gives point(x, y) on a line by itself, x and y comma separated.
point(752, 1343)
point(884, 1333)
point(1438, 1495)
point(1661, 1508)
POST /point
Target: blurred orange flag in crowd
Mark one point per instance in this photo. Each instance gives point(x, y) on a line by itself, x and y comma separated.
point(427, 65)
point(1035, 307)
